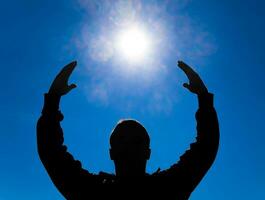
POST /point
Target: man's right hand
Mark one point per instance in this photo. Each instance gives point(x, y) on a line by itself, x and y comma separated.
point(60, 84)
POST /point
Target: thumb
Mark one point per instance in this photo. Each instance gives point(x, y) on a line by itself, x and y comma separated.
point(68, 89)
point(186, 85)
point(72, 86)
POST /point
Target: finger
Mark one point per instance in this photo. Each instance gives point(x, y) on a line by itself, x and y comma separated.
point(186, 85)
point(186, 68)
point(67, 70)
point(72, 86)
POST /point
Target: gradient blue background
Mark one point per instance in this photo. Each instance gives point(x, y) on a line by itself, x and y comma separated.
point(36, 41)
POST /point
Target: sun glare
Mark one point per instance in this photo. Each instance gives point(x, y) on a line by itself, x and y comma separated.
point(133, 44)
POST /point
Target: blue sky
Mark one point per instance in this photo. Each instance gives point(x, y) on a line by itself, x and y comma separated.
point(223, 40)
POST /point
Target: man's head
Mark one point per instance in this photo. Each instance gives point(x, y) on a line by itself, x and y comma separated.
point(129, 150)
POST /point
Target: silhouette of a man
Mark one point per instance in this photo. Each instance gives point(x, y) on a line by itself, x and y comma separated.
point(129, 150)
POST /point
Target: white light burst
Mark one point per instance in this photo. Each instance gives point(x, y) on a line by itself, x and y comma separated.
point(134, 44)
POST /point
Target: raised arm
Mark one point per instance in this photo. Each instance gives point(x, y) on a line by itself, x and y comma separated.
point(65, 172)
point(195, 162)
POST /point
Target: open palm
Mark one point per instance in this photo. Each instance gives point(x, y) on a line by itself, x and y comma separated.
point(195, 85)
point(60, 84)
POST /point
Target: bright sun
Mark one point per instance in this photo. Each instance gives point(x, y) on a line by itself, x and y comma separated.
point(133, 44)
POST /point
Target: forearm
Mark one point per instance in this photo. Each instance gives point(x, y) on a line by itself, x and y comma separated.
point(60, 164)
point(207, 122)
point(51, 104)
point(202, 153)
point(196, 161)
point(49, 132)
